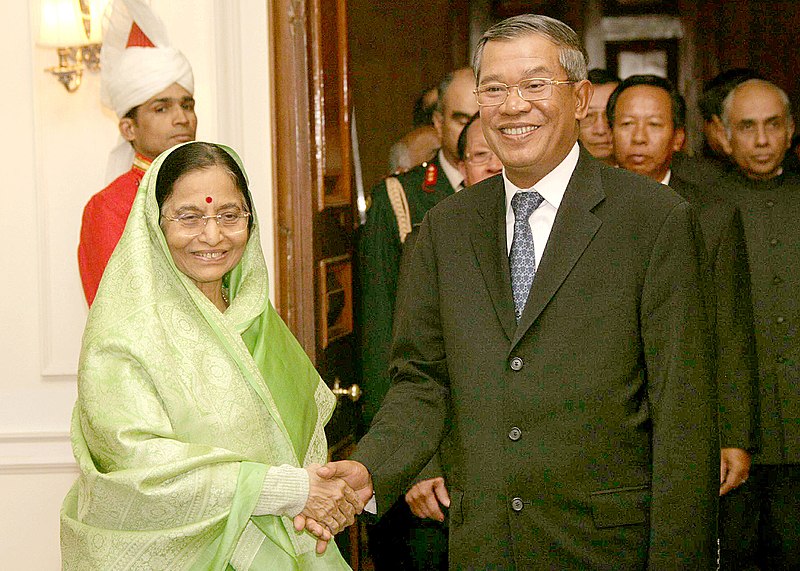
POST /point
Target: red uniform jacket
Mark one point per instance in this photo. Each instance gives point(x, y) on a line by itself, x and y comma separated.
point(104, 219)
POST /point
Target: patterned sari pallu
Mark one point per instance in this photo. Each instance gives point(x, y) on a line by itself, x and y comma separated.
point(181, 411)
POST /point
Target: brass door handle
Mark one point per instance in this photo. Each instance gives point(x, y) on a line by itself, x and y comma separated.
point(354, 392)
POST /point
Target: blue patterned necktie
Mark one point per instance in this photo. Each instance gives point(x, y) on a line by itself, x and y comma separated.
point(522, 258)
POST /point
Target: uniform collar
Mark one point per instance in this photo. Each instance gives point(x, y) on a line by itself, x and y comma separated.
point(141, 163)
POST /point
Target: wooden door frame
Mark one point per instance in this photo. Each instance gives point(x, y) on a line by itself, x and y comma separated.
point(293, 180)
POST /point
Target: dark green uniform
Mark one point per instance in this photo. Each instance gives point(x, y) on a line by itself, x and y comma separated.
point(399, 540)
point(380, 249)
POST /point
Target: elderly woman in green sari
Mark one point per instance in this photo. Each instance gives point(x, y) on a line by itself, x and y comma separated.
point(199, 423)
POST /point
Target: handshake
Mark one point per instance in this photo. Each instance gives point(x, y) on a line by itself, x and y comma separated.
point(337, 492)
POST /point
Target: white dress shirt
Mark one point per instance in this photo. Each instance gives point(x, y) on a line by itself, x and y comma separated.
point(452, 173)
point(552, 188)
point(667, 177)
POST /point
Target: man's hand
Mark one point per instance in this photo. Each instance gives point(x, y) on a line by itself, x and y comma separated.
point(734, 469)
point(354, 473)
point(424, 498)
point(331, 505)
point(356, 479)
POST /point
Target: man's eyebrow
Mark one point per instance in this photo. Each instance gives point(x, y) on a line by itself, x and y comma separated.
point(170, 100)
point(460, 115)
point(539, 71)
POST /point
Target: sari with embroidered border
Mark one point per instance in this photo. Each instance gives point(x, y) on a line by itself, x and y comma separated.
point(181, 411)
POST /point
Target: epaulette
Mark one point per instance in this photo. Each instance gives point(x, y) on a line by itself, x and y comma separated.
point(431, 176)
point(399, 202)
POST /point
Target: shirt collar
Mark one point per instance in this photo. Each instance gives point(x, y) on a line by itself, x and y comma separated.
point(454, 175)
point(554, 183)
point(667, 177)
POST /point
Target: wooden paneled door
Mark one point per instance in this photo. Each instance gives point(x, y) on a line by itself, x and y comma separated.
point(315, 207)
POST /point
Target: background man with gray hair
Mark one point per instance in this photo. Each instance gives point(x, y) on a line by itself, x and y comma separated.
point(551, 335)
point(760, 521)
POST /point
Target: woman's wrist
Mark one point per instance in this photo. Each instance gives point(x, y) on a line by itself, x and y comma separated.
point(285, 491)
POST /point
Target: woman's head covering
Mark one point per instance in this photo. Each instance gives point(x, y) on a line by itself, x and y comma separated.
point(138, 63)
point(182, 409)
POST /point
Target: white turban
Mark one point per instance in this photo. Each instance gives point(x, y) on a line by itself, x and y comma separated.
point(131, 75)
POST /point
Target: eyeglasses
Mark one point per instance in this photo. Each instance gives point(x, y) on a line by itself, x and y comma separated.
point(480, 158)
point(228, 222)
point(533, 89)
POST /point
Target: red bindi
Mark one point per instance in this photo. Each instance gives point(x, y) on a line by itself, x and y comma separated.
point(208, 199)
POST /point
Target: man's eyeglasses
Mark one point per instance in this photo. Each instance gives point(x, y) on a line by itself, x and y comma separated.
point(479, 158)
point(533, 89)
point(228, 222)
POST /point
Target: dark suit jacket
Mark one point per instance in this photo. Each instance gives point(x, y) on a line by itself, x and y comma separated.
point(584, 437)
point(732, 316)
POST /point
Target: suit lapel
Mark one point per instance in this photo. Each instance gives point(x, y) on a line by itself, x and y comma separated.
point(574, 227)
point(488, 238)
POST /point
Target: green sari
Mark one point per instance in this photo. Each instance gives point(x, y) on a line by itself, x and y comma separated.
point(181, 411)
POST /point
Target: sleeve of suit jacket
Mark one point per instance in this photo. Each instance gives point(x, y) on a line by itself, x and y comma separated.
point(682, 399)
point(413, 415)
point(736, 367)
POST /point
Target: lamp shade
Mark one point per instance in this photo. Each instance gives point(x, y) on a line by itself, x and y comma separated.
point(61, 24)
point(96, 10)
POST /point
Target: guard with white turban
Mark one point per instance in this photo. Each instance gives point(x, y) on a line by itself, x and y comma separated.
point(150, 86)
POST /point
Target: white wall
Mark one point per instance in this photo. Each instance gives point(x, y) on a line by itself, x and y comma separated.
point(54, 147)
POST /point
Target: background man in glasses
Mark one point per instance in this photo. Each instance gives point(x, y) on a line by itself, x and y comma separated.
point(478, 161)
point(574, 410)
point(150, 87)
point(595, 133)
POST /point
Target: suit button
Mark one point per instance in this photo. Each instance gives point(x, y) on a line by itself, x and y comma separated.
point(517, 505)
point(770, 203)
point(780, 359)
point(773, 242)
point(777, 280)
point(516, 364)
point(515, 433)
point(780, 319)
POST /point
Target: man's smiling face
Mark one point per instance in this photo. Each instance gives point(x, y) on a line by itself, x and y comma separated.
point(530, 137)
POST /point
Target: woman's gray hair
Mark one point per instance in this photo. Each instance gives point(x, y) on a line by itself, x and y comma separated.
point(572, 55)
point(728, 102)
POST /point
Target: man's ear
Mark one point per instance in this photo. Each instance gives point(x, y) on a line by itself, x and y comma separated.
point(583, 95)
point(721, 134)
point(127, 128)
point(678, 139)
point(438, 119)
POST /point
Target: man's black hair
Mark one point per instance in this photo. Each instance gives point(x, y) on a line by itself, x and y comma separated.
point(678, 103)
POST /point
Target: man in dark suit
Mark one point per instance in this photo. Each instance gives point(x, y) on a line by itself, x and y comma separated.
point(576, 416)
point(647, 117)
point(760, 521)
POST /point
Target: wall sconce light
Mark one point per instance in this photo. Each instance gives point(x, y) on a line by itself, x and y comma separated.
point(74, 29)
